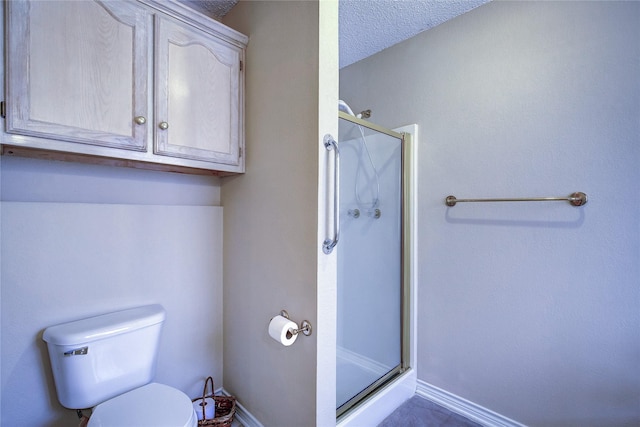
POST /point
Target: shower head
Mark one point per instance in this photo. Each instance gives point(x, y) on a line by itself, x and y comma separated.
point(343, 106)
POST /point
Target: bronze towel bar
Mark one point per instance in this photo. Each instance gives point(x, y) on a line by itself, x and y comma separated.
point(576, 199)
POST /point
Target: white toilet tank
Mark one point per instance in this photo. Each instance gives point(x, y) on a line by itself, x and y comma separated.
point(101, 357)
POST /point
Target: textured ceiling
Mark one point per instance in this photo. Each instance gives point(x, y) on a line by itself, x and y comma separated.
point(369, 26)
point(214, 8)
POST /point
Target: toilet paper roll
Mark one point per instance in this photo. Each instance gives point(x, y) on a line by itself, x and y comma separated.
point(209, 408)
point(279, 330)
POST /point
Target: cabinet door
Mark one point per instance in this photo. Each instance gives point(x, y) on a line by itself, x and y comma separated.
point(77, 71)
point(197, 95)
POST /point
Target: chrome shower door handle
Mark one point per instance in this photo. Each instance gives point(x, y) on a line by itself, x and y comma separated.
point(331, 241)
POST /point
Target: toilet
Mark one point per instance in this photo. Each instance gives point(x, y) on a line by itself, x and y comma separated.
point(108, 362)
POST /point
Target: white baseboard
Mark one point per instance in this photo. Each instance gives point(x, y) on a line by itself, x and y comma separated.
point(464, 407)
point(243, 416)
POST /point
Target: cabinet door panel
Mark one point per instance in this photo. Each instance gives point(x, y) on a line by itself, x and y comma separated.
point(78, 72)
point(197, 91)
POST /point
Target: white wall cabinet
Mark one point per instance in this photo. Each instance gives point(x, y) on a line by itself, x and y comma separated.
point(149, 84)
point(197, 88)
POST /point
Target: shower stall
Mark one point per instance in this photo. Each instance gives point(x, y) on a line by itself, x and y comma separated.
point(371, 237)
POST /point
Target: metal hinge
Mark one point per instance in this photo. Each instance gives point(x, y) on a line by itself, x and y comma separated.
point(3, 111)
point(240, 65)
point(239, 151)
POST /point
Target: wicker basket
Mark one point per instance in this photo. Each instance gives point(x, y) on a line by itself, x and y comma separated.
point(225, 408)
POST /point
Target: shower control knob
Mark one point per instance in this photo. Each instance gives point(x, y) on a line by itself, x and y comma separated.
point(163, 125)
point(375, 213)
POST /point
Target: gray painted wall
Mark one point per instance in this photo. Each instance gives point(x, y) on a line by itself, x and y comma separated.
point(530, 310)
point(81, 240)
point(271, 215)
point(32, 180)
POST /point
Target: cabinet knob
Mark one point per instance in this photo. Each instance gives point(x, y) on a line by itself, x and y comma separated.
point(140, 120)
point(163, 125)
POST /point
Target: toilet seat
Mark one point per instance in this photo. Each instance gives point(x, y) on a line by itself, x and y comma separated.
point(153, 405)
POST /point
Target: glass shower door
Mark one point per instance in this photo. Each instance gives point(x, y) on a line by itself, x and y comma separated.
point(370, 260)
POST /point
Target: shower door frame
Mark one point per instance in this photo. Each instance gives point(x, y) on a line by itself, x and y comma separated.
point(405, 269)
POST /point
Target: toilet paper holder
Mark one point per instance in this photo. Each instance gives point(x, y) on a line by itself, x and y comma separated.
point(305, 326)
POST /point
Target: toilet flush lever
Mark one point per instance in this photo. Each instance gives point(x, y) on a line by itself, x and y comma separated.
point(77, 352)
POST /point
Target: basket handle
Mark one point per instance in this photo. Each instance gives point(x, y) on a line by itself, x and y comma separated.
point(203, 404)
point(204, 391)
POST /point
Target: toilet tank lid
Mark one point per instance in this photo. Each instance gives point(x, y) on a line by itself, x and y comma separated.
point(104, 326)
